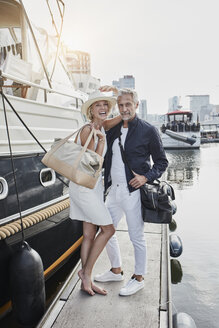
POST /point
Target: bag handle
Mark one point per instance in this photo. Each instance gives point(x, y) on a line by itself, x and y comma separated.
point(84, 148)
point(151, 183)
point(64, 140)
point(76, 164)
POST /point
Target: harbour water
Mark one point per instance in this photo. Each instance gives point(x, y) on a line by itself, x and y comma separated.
point(195, 178)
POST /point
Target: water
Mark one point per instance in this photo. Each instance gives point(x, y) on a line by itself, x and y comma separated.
point(195, 178)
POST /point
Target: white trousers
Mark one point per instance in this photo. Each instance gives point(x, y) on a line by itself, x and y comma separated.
point(119, 202)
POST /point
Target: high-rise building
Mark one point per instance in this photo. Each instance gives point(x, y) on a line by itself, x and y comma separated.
point(143, 109)
point(116, 84)
point(173, 104)
point(200, 106)
point(127, 81)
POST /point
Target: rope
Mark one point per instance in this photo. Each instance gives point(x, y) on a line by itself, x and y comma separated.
point(31, 133)
point(3, 95)
point(14, 227)
point(12, 164)
point(58, 33)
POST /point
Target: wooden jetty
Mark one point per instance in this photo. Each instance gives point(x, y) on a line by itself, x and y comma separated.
point(149, 308)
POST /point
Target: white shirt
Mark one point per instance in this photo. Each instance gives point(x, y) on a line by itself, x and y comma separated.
point(118, 167)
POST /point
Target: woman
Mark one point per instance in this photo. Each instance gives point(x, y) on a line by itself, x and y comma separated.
point(87, 204)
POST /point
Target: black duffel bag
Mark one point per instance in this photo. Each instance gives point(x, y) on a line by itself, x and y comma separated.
point(156, 198)
point(156, 202)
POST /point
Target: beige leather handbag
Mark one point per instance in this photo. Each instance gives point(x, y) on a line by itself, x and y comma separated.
point(75, 162)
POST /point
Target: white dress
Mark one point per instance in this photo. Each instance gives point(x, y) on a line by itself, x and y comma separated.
point(87, 204)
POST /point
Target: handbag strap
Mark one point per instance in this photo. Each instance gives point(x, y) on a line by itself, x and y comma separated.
point(83, 150)
point(63, 141)
point(172, 195)
point(124, 159)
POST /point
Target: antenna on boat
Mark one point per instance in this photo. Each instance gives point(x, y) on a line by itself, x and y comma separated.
point(61, 13)
point(36, 44)
point(58, 33)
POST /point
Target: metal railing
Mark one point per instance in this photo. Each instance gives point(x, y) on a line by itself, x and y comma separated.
point(75, 94)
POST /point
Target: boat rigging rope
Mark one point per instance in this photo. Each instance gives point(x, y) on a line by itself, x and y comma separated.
point(58, 33)
point(12, 164)
point(31, 133)
point(3, 95)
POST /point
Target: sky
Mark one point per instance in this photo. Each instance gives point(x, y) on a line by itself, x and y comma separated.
point(171, 47)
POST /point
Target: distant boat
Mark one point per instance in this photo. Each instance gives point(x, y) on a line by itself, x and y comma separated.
point(180, 131)
point(37, 86)
point(210, 131)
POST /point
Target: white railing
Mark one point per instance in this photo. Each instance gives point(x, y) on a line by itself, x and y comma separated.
point(74, 94)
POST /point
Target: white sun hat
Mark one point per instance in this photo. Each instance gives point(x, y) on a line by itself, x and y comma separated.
point(97, 96)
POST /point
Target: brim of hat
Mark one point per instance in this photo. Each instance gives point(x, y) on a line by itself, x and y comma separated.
point(88, 103)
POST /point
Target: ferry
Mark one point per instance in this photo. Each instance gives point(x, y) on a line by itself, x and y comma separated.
point(38, 104)
point(180, 131)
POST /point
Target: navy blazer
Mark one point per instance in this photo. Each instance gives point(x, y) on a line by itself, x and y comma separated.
point(142, 141)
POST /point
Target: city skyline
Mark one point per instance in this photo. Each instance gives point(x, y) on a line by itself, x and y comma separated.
point(170, 46)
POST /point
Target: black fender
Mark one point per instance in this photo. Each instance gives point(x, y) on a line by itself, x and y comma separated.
point(27, 285)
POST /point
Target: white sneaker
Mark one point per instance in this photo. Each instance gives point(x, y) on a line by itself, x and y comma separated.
point(109, 276)
point(132, 287)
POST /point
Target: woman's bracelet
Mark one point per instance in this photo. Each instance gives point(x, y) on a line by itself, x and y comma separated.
point(101, 140)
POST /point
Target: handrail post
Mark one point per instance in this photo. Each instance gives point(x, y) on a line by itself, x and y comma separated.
point(76, 102)
point(45, 96)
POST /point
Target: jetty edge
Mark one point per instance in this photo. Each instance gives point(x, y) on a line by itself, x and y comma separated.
point(149, 308)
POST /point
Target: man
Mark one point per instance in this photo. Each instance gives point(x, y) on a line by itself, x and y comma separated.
point(140, 141)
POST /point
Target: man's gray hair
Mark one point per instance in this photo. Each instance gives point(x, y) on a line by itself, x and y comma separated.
point(128, 91)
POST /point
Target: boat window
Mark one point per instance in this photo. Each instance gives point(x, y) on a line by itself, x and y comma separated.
point(47, 177)
point(3, 188)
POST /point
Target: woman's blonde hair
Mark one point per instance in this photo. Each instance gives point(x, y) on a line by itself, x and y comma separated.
point(89, 111)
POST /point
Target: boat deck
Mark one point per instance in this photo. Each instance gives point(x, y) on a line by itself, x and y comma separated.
point(149, 308)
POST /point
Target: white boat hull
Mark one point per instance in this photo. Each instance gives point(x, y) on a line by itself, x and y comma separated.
point(170, 143)
point(45, 121)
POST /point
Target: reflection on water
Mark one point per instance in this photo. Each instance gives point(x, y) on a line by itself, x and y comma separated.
point(195, 177)
point(184, 166)
point(172, 225)
point(176, 271)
